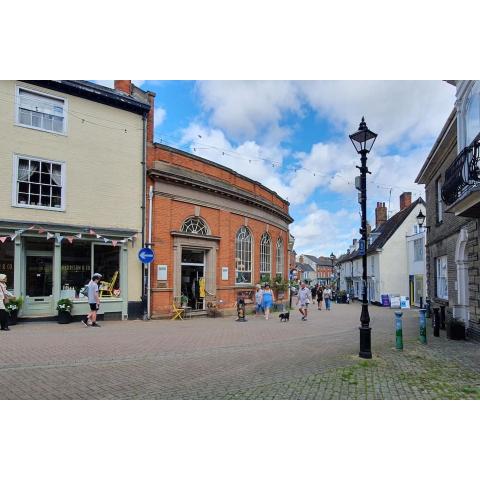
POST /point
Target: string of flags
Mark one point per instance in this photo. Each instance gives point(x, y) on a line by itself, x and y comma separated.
point(69, 238)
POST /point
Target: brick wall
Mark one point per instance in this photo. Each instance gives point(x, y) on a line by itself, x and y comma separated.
point(442, 240)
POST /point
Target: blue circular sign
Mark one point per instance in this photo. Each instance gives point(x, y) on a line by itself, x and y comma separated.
point(146, 255)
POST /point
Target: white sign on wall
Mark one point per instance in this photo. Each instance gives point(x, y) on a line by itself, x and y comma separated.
point(224, 273)
point(162, 272)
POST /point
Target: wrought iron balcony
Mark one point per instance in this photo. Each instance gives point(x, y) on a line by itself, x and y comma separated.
point(463, 174)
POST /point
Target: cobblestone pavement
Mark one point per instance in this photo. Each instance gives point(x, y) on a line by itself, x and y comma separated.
point(217, 358)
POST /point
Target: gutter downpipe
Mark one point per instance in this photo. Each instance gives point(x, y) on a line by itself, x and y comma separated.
point(144, 219)
point(149, 266)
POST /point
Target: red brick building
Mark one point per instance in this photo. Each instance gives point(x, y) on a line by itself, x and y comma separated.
point(214, 231)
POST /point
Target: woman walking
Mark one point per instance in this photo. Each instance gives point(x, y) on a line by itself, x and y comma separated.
point(258, 299)
point(319, 297)
point(267, 300)
point(327, 295)
point(4, 294)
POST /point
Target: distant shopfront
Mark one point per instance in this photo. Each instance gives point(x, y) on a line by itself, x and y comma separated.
point(48, 266)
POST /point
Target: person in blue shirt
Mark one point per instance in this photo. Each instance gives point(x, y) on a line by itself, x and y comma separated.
point(267, 300)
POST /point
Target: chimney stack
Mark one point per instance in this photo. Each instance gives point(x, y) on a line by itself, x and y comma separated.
point(380, 214)
point(124, 86)
point(405, 200)
point(301, 259)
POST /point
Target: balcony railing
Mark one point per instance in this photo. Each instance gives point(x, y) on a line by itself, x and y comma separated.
point(463, 173)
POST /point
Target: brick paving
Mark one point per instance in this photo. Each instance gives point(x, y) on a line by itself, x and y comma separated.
point(217, 358)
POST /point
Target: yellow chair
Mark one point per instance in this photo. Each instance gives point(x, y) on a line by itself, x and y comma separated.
point(177, 312)
point(106, 288)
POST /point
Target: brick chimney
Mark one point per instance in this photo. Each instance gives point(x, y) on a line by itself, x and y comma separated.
point(380, 214)
point(405, 200)
point(300, 259)
point(369, 229)
point(124, 86)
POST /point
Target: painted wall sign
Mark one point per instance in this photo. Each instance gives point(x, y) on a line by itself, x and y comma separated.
point(162, 271)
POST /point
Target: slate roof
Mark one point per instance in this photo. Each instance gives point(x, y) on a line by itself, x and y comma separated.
point(385, 231)
point(304, 267)
point(312, 258)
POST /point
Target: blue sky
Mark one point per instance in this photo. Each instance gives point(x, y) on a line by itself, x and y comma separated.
point(293, 137)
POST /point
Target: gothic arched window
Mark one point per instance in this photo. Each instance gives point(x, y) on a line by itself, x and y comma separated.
point(195, 225)
point(243, 256)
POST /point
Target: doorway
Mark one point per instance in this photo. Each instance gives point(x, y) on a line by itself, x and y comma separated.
point(193, 277)
point(38, 278)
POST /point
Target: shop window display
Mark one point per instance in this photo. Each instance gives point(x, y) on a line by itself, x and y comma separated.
point(7, 255)
point(76, 268)
point(106, 261)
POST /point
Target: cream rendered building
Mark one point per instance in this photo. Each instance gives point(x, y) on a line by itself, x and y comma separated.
point(71, 187)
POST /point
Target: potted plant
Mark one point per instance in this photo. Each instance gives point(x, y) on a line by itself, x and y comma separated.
point(13, 306)
point(183, 300)
point(64, 307)
point(455, 329)
point(342, 296)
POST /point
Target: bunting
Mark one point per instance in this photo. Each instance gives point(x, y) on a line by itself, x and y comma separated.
point(70, 238)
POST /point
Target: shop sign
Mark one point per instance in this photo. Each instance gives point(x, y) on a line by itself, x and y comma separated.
point(224, 273)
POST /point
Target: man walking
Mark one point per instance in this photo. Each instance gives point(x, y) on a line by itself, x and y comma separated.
point(93, 300)
point(327, 296)
point(304, 298)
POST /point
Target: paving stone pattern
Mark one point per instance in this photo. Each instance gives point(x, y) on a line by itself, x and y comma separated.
point(218, 358)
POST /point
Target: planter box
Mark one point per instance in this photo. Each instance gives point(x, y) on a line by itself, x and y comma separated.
point(64, 317)
point(13, 317)
point(455, 331)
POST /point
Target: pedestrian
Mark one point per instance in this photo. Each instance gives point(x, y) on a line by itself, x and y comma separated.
point(267, 300)
point(314, 290)
point(304, 298)
point(93, 301)
point(258, 299)
point(319, 297)
point(4, 294)
point(327, 296)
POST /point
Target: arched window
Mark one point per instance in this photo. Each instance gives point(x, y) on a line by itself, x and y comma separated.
point(472, 118)
point(265, 256)
point(280, 258)
point(195, 225)
point(243, 256)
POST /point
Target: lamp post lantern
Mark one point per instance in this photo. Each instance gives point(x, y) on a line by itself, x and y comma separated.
point(363, 140)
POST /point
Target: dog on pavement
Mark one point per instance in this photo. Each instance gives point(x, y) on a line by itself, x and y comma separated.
point(284, 317)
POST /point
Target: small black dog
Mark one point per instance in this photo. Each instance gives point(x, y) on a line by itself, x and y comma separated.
point(284, 317)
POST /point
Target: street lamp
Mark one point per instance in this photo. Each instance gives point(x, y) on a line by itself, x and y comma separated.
point(332, 258)
point(421, 220)
point(363, 140)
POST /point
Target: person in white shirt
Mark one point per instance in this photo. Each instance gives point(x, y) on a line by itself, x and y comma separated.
point(327, 296)
point(258, 299)
point(4, 294)
point(304, 298)
point(93, 301)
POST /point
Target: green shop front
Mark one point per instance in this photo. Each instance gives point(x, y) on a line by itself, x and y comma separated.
point(47, 263)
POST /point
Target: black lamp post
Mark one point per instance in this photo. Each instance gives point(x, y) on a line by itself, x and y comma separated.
point(332, 258)
point(363, 141)
point(420, 222)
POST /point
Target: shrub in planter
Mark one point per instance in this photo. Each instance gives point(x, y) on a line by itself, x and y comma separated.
point(455, 329)
point(342, 296)
point(64, 307)
point(13, 306)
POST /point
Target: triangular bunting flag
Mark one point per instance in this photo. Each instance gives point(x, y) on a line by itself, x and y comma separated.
point(70, 239)
point(60, 238)
point(50, 235)
point(92, 232)
point(78, 236)
point(114, 242)
point(32, 227)
point(106, 240)
point(41, 230)
point(20, 231)
point(14, 236)
point(2, 239)
point(99, 236)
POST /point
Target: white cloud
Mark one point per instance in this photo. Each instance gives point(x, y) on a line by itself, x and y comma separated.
point(159, 115)
point(323, 231)
point(245, 109)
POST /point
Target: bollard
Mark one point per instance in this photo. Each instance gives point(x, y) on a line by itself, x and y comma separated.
point(442, 317)
point(398, 330)
point(423, 326)
point(436, 322)
point(421, 302)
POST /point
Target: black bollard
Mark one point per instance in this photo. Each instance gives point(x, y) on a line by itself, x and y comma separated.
point(421, 303)
point(436, 322)
point(442, 317)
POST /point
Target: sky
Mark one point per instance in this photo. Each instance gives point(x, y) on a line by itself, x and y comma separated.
point(292, 136)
